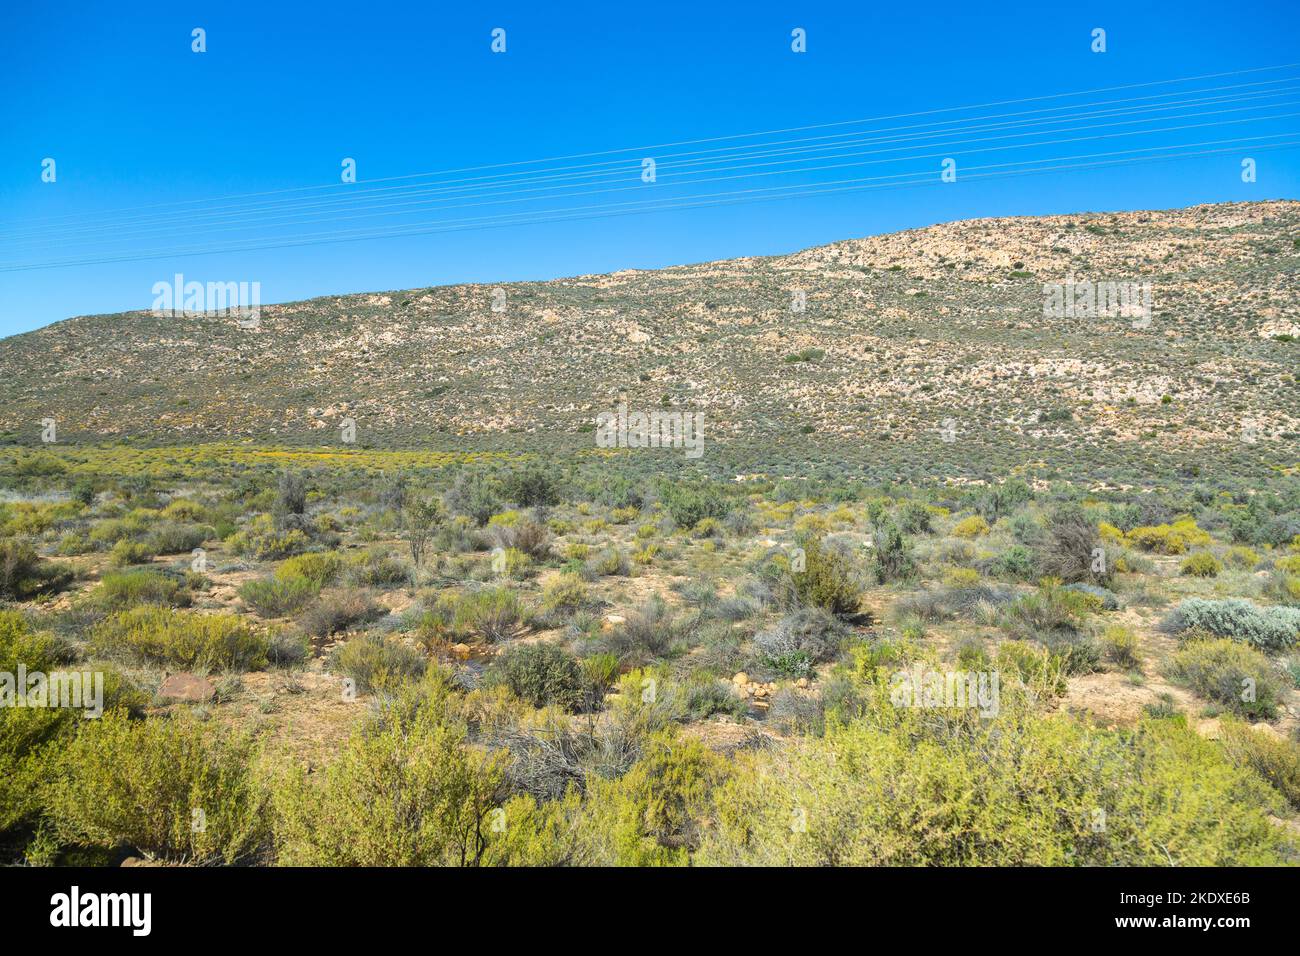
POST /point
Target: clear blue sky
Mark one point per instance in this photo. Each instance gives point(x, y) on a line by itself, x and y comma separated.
point(285, 91)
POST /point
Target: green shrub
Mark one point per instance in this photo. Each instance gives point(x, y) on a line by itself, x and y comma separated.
point(162, 635)
point(318, 567)
point(279, 595)
point(123, 589)
point(24, 574)
point(1229, 673)
point(914, 518)
point(492, 614)
point(1203, 564)
point(176, 538)
point(405, 791)
point(829, 579)
point(609, 561)
point(377, 663)
point(971, 527)
point(127, 552)
point(1119, 645)
point(378, 569)
point(650, 631)
point(1241, 558)
point(1051, 612)
point(72, 544)
point(337, 610)
point(541, 674)
point(689, 504)
point(1276, 759)
point(892, 558)
point(799, 641)
point(176, 789)
point(653, 815)
point(566, 592)
point(899, 787)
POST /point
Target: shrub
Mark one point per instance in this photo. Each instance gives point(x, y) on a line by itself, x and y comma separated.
point(828, 581)
point(122, 783)
point(290, 499)
point(471, 495)
point(1174, 538)
point(73, 544)
point(405, 791)
point(1202, 565)
point(1107, 600)
point(377, 568)
point(971, 527)
point(337, 610)
point(650, 631)
point(892, 558)
point(706, 696)
point(127, 552)
point(492, 614)
point(318, 567)
point(707, 528)
point(529, 537)
point(1229, 673)
point(287, 648)
point(377, 663)
point(23, 574)
point(609, 561)
point(601, 672)
point(566, 592)
point(1119, 645)
point(1268, 628)
point(531, 487)
point(799, 641)
point(541, 674)
point(279, 595)
point(1072, 548)
point(264, 542)
point(1015, 562)
point(1241, 558)
point(1047, 614)
point(689, 504)
point(123, 589)
point(654, 814)
point(901, 788)
point(162, 635)
point(1275, 759)
point(175, 538)
point(183, 509)
point(914, 518)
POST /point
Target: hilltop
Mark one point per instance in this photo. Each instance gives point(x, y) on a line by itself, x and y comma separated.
point(905, 339)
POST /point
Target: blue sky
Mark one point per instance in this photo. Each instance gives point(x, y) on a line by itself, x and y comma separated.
point(285, 91)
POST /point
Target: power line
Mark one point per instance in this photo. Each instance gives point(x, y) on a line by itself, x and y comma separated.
point(581, 213)
point(690, 142)
point(370, 212)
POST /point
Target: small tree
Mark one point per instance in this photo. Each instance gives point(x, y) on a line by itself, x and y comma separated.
point(422, 518)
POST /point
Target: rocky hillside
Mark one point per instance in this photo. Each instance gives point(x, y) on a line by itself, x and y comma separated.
point(933, 335)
